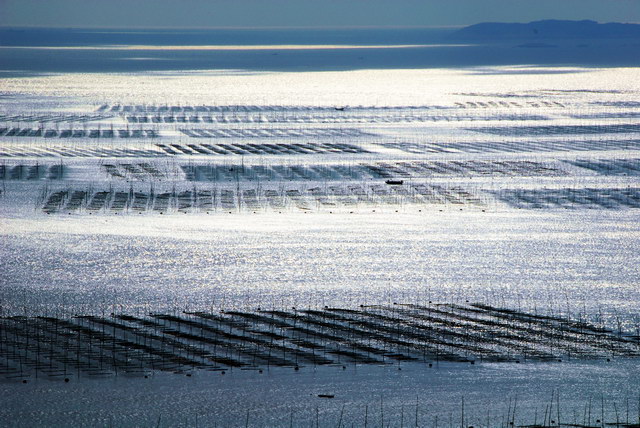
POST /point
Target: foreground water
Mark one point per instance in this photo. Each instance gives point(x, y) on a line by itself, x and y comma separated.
point(484, 395)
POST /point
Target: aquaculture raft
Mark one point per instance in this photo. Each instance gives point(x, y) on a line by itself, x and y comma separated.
point(403, 333)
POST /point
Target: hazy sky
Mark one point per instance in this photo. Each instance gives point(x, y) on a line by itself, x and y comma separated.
point(294, 13)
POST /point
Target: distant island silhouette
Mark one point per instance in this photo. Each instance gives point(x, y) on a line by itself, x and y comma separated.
point(547, 30)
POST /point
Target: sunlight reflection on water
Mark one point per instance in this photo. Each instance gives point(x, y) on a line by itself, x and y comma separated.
point(163, 263)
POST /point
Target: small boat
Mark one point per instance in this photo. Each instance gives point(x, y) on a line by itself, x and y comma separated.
point(326, 395)
point(339, 108)
point(394, 182)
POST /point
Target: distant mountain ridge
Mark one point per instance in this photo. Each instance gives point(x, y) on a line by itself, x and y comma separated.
point(548, 29)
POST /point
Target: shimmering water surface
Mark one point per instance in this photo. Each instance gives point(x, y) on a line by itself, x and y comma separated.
point(165, 191)
point(576, 261)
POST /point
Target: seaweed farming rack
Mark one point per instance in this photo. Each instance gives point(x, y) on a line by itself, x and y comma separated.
point(46, 346)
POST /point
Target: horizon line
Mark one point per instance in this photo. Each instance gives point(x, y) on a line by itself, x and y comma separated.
point(231, 27)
